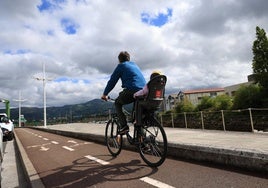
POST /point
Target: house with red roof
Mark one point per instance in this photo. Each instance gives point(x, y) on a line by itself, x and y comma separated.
point(195, 96)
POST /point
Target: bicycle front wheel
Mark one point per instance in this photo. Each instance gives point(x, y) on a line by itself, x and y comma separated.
point(113, 140)
point(153, 143)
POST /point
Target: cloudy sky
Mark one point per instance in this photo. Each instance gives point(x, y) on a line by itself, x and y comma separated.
point(196, 43)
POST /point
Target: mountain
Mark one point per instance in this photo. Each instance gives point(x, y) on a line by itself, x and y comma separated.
point(90, 108)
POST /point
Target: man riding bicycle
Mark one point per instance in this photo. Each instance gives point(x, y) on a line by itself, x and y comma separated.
point(132, 81)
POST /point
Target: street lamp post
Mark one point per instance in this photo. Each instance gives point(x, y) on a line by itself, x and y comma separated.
point(44, 79)
point(20, 100)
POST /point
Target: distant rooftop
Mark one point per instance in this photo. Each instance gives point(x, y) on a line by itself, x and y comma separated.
point(204, 90)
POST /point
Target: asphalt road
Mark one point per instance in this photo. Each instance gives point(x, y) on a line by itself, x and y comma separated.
point(67, 162)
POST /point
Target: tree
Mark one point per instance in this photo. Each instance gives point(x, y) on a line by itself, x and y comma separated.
point(222, 102)
point(260, 59)
point(248, 97)
point(206, 103)
point(184, 106)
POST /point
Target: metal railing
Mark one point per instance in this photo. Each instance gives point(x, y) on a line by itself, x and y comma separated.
point(246, 120)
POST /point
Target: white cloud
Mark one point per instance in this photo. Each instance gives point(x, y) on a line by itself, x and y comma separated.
point(202, 44)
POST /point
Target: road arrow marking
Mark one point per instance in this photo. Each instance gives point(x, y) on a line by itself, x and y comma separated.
point(44, 148)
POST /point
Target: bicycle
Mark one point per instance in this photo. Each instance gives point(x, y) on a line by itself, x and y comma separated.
point(148, 134)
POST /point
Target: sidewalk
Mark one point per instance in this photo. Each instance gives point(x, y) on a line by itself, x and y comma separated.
point(240, 149)
point(12, 172)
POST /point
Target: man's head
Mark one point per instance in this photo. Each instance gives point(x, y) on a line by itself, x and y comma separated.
point(123, 56)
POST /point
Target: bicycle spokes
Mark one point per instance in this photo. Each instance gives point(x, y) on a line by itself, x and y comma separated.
point(112, 138)
point(114, 142)
point(153, 148)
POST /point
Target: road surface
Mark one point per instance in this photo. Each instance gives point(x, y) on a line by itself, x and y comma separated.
point(66, 162)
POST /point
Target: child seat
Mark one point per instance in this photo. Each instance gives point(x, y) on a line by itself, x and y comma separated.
point(155, 97)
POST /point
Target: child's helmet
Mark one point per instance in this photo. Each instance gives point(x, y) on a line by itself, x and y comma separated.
point(154, 74)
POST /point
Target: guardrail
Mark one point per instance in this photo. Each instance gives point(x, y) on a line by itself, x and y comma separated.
point(245, 120)
point(248, 120)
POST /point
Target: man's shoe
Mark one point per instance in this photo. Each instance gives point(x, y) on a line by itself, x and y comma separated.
point(124, 130)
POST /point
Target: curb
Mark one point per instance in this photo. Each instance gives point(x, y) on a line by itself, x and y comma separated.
point(28, 168)
point(242, 159)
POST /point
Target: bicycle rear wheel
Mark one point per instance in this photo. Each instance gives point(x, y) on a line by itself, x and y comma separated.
point(153, 143)
point(113, 140)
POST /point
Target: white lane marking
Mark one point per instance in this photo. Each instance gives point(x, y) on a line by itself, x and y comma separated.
point(72, 141)
point(40, 136)
point(45, 138)
point(79, 144)
point(34, 146)
point(54, 142)
point(70, 149)
point(40, 145)
point(155, 183)
point(97, 160)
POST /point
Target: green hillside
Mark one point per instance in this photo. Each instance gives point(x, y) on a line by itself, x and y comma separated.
point(90, 108)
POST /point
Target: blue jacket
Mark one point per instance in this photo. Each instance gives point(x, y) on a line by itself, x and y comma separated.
point(131, 77)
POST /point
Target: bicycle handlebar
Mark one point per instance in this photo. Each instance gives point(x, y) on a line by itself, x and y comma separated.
point(108, 99)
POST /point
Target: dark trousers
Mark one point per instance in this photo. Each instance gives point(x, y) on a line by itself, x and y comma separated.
point(125, 97)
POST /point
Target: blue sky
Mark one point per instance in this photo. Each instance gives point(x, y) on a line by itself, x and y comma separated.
point(156, 20)
point(73, 80)
point(69, 26)
point(196, 44)
point(47, 5)
point(19, 51)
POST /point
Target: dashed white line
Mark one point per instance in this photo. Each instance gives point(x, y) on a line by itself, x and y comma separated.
point(70, 149)
point(155, 183)
point(97, 160)
point(45, 138)
point(72, 141)
point(54, 142)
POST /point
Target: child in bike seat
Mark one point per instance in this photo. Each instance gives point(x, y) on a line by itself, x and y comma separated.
point(144, 91)
point(143, 94)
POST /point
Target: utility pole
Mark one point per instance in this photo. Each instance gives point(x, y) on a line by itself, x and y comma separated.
point(20, 100)
point(44, 79)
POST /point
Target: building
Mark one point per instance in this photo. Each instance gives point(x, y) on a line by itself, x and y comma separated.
point(230, 90)
point(172, 99)
point(195, 96)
